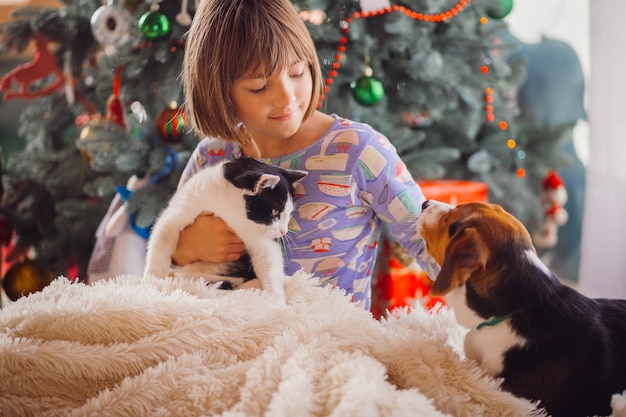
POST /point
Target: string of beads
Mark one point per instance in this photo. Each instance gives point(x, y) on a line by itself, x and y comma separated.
point(341, 48)
point(448, 14)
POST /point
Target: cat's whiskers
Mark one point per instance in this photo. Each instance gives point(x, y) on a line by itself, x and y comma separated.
point(302, 200)
point(287, 241)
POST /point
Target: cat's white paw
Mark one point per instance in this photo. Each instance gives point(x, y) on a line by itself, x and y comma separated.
point(279, 291)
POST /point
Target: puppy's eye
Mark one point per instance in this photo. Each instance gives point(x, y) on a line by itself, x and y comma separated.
point(453, 228)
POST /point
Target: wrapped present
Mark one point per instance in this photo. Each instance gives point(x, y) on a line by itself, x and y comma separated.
point(454, 191)
point(398, 281)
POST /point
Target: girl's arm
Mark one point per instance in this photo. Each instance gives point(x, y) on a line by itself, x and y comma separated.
point(208, 238)
point(397, 199)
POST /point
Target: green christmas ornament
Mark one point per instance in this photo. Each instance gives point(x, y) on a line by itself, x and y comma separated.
point(153, 24)
point(499, 9)
point(367, 90)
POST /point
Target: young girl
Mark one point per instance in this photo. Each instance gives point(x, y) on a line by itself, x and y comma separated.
point(252, 82)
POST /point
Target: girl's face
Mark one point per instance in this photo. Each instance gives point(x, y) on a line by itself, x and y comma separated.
point(272, 108)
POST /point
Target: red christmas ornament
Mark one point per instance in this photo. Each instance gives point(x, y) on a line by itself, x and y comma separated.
point(553, 197)
point(172, 123)
point(115, 109)
point(552, 181)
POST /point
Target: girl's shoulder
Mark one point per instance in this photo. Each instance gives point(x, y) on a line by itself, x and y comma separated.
point(213, 150)
point(344, 124)
point(208, 152)
point(360, 134)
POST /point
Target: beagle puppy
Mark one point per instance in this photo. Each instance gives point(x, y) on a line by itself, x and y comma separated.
point(548, 342)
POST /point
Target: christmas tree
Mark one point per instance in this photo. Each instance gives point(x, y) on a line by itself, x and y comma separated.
point(437, 79)
point(434, 76)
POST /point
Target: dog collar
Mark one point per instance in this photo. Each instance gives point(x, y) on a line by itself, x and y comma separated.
point(495, 320)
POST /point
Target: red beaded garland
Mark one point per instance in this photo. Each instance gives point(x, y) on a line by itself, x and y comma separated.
point(489, 109)
point(436, 17)
point(341, 49)
point(489, 115)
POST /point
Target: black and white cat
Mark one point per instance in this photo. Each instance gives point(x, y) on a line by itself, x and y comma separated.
point(253, 198)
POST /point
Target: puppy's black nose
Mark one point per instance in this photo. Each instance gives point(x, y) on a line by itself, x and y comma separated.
point(425, 204)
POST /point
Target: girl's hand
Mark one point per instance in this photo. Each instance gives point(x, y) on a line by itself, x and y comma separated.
point(207, 239)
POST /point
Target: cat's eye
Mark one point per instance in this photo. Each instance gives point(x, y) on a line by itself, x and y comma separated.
point(275, 212)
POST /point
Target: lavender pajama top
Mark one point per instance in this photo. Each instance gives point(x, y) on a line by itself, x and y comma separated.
point(356, 181)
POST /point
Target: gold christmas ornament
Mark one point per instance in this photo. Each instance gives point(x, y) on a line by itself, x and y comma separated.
point(25, 277)
point(92, 137)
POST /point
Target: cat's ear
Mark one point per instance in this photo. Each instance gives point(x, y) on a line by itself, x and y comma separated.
point(265, 181)
point(253, 182)
point(295, 175)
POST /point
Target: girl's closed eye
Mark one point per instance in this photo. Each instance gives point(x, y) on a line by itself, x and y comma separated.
point(256, 84)
point(258, 90)
point(297, 70)
point(295, 73)
point(259, 82)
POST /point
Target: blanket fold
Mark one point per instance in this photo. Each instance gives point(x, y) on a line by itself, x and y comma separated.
point(131, 346)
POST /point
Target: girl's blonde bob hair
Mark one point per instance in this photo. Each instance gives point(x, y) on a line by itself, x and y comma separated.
point(228, 40)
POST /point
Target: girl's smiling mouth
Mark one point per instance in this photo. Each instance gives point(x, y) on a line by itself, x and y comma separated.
point(284, 116)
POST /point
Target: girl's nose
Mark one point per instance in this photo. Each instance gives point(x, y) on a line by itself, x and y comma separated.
point(284, 92)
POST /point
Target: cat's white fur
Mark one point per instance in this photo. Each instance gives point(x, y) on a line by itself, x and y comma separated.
point(209, 191)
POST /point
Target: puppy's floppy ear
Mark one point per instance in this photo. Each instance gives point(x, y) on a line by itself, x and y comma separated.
point(464, 255)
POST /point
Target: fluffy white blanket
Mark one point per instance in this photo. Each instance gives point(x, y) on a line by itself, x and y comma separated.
point(136, 347)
